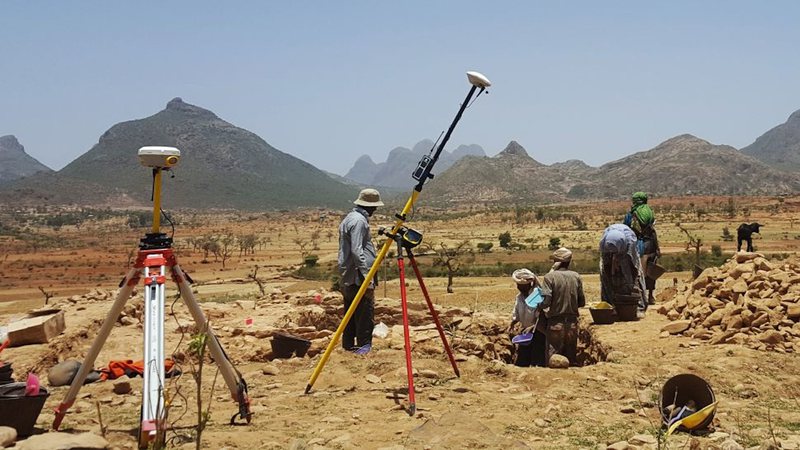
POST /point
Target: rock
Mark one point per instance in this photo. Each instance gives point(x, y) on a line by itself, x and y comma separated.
point(558, 362)
point(296, 444)
point(7, 436)
point(127, 321)
point(374, 379)
point(621, 445)
point(541, 423)
point(678, 326)
point(271, 369)
point(739, 287)
point(770, 337)
point(742, 257)
point(718, 436)
point(427, 373)
point(730, 444)
point(615, 356)
point(628, 409)
point(246, 304)
point(673, 315)
point(341, 440)
point(715, 318)
point(793, 311)
point(62, 373)
point(643, 439)
point(122, 387)
point(63, 441)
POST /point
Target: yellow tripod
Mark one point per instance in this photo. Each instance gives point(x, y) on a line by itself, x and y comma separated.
point(421, 174)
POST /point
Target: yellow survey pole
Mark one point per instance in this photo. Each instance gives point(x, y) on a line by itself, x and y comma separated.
point(156, 200)
point(422, 174)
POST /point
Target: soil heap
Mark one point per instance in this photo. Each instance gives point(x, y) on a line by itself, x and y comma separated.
point(749, 300)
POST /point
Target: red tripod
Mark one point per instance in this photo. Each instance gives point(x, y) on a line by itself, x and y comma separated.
point(407, 239)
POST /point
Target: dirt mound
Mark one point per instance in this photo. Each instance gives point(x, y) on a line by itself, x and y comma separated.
point(749, 300)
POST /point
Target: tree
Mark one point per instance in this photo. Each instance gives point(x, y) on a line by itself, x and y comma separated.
point(225, 247)
point(505, 239)
point(451, 258)
point(693, 243)
point(554, 244)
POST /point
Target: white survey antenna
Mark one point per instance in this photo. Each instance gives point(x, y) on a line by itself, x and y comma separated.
point(478, 79)
point(157, 156)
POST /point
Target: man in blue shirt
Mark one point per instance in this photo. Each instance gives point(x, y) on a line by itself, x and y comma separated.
point(356, 256)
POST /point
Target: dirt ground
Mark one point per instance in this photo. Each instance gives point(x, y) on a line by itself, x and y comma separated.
point(358, 401)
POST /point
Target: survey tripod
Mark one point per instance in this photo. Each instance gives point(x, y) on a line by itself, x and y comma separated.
point(406, 240)
point(154, 262)
point(421, 174)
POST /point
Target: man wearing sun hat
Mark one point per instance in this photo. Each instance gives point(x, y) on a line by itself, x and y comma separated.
point(527, 314)
point(356, 256)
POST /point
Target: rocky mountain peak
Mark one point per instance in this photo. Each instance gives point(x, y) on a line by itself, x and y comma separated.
point(179, 106)
point(514, 149)
point(9, 143)
point(795, 117)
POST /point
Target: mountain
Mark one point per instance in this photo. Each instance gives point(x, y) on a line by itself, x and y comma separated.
point(780, 146)
point(15, 163)
point(396, 171)
point(221, 166)
point(686, 164)
point(511, 175)
point(679, 166)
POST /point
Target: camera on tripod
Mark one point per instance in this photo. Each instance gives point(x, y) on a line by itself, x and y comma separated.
point(159, 157)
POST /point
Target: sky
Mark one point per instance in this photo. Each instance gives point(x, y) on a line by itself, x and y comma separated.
point(330, 81)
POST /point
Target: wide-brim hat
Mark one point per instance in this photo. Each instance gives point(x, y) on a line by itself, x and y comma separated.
point(369, 197)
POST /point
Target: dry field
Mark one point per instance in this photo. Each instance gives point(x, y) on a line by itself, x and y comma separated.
point(355, 402)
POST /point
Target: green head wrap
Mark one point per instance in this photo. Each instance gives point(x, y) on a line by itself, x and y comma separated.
point(639, 198)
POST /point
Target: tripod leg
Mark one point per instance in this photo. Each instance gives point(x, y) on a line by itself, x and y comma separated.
point(233, 379)
point(434, 314)
point(409, 369)
point(88, 362)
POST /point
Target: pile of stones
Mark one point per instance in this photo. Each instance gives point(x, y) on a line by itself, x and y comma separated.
point(749, 300)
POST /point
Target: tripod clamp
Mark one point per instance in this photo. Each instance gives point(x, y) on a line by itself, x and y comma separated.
point(406, 238)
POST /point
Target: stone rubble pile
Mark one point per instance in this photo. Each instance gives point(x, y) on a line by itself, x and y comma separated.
point(749, 300)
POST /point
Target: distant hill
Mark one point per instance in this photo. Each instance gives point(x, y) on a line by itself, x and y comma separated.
point(396, 171)
point(780, 146)
point(15, 163)
point(686, 164)
point(679, 166)
point(222, 166)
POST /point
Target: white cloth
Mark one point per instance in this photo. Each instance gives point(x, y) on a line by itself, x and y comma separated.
point(522, 313)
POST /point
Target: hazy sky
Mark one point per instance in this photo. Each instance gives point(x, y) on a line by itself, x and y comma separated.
point(329, 81)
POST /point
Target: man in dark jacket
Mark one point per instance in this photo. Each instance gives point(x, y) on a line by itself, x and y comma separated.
point(356, 256)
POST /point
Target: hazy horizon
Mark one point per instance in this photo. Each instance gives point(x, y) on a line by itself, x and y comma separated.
point(330, 82)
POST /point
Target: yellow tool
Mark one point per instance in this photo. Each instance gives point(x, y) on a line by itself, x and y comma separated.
point(695, 420)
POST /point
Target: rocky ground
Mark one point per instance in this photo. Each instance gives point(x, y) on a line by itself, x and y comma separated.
point(360, 401)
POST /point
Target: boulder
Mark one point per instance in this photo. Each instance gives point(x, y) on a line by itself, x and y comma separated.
point(7, 436)
point(558, 362)
point(770, 337)
point(678, 326)
point(63, 441)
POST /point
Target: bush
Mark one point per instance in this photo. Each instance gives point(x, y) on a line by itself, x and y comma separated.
point(485, 247)
point(716, 251)
point(310, 260)
point(555, 244)
point(505, 239)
